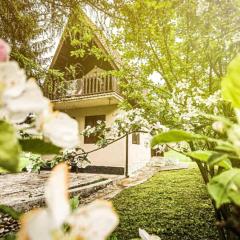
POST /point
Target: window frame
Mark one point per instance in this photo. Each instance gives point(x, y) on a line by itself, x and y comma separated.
point(92, 121)
point(136, 138)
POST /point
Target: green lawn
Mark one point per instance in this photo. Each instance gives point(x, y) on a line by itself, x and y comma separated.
point(175, 155)
point(172, 204)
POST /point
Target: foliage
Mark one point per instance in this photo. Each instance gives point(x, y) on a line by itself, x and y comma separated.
point(187, 43)
point(38, 146)
point(74, 203)
point(9, 147)
point(10, 211)
point(34, 162)
point(224, 188)
point(175, 136)
point(217, 165)
point(231, 83)
point(159, 206)
point(175, 44)
point(21, 99)
point(75, 158)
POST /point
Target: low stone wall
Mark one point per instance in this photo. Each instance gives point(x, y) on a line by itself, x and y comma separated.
point(23, 193)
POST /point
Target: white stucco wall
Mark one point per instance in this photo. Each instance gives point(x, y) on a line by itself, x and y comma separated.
point(138, 154)
point(113, 155)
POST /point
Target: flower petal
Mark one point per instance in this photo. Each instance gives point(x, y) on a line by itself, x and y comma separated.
point(61, 130)
point(4, 51)
point(31, 100)
point(12, 78)
point(93, 222)
point(144, 235)
point(35, 225)
point(56, 194)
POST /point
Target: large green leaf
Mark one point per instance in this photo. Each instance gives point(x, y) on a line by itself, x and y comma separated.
point(231, 83)
point(211, 158)
point(221, 160)
point(225, 187)
point(39, 146)
point(175, 136)
point(202, 156)
point(225, 147)
point(9, 147)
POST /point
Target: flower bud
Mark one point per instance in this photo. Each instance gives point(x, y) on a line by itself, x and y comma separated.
point(4, 51)
point(218, 126)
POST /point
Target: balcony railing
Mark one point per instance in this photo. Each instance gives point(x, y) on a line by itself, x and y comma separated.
point(88, 85)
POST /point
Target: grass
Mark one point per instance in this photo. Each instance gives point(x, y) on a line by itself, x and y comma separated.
point(172, 204)
point(175, 155)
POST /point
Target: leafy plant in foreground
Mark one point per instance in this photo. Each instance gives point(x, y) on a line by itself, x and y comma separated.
point(220, 165)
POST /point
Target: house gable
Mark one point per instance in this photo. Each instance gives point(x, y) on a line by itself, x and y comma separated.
point(64, 58)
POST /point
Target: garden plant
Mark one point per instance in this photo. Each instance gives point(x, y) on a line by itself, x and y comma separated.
point(191, 47)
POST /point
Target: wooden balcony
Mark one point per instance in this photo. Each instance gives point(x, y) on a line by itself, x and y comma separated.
point(89, 85)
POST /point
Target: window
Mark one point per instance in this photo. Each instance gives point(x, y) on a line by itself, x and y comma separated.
point(135, 138)
point(92, 121)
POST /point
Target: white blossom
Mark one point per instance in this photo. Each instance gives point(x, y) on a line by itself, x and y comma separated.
point(146, 236)
point(12, 80)
point(48, 223)
point(218, 126)
point(31, 100)
point(93, 222)
point(61, 130)
point(202, 7)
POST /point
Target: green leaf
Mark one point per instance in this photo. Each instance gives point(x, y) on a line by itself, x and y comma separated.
point(211, 158)
point(74, 202)
point(225, 187)
point(175, 136)
point(10, 211)
point(202, 156)
point(38, 146)
point(221, 160)
point(9, 147)
point(231, 83)
point(222, 119)
point(225, 147)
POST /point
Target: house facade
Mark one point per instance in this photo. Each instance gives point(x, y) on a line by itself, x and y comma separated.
point(93, 95)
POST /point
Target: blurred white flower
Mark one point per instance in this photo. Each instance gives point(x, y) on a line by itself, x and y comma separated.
point(82, 164)
point(159, 126)
point(12, 79)
point(178, 40)
point(93, 222)
point(146, 236)
point(218, 126)
point(61, 130)
point(31, 100)
point(48, 223)
point(41, 223)
point(202, 7)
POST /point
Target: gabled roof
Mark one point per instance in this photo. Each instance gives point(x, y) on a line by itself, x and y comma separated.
point(99, 39)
